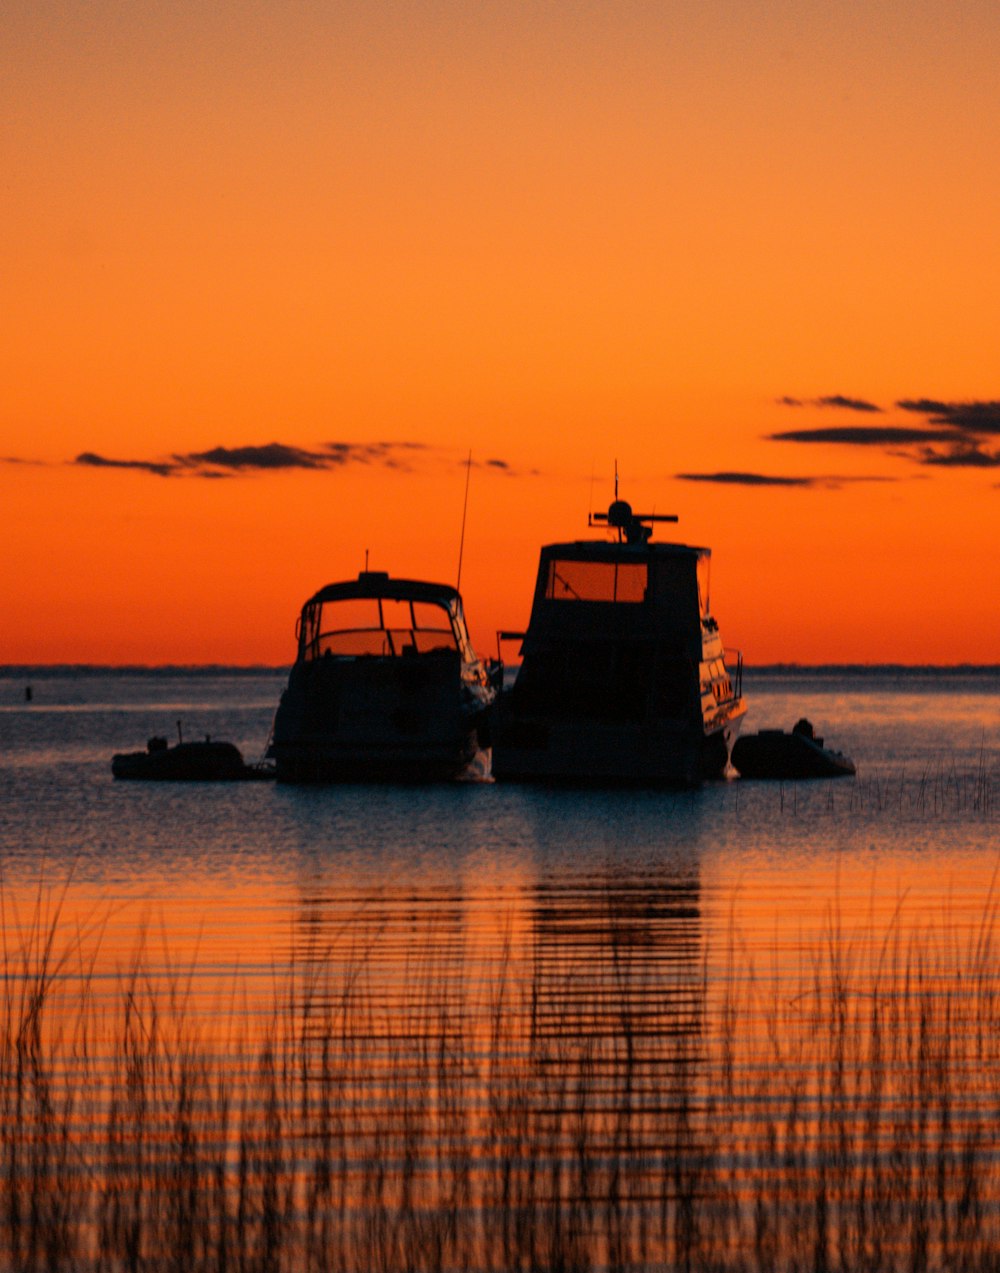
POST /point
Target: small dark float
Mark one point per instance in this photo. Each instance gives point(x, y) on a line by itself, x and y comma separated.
point(206, 761)
point(772, 753)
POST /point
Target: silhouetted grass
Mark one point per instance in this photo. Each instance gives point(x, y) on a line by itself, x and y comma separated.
point(836, 1111)
point(939, 791)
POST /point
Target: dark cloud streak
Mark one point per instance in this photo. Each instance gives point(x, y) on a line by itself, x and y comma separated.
point(90, 459)
point(864, 435)
point(830, 481)
point(962, 458)
point(847, 404)
point(745, 479)
point(272, 457)
point(974, 419)
point(838, 400)
point(952, 435)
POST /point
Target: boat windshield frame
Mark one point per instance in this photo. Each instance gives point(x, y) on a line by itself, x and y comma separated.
point(419, 621)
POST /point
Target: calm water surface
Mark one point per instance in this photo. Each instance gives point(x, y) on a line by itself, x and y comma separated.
point(241, 864)
point(660, 944)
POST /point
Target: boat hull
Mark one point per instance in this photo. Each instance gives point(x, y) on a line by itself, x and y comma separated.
point(773, 754)
point(379, 719)
point(186, 762)
point(673, 754)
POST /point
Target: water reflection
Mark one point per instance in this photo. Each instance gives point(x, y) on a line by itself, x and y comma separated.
point(532, 1045)
point(495, 1028)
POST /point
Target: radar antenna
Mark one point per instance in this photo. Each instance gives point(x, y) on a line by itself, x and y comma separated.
point(634, 528)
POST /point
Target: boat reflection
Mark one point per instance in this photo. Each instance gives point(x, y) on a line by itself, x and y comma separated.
point(533, 1077)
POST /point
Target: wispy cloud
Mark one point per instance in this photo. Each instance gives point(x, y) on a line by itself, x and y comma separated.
point(962, 458)
point(838, 400)
point(271, 457)
point(393, 455)
point(240, 459)
point(971, 418)
point(829, 481)
point(745, 479)
point(274, 457)
point(279, 456)
point(503, 467)
point(864, 435)
point(90, 459)
point(953, 435)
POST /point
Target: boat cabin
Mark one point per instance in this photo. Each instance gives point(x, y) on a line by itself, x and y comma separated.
point(615, 630)
point(385, 618)
point(385, 684)
point(623, 674)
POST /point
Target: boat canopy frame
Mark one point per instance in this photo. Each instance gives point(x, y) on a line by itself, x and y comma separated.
point(400, 635)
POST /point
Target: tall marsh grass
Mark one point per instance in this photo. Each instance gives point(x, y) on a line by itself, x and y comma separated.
point(541, 1111)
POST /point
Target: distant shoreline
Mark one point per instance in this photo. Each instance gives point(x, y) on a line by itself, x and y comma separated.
point(41, 671)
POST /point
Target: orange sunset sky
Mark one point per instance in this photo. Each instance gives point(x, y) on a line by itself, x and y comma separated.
point(270, 271)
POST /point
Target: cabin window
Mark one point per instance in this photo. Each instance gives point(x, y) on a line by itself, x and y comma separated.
point(430, 617)
point(432, 628)
point(596, 581)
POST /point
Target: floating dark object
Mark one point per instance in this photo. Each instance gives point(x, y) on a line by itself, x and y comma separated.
point(772, 753)
point(206, 761)
point(623, 678)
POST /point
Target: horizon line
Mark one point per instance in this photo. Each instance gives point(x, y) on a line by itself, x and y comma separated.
point(10, 670)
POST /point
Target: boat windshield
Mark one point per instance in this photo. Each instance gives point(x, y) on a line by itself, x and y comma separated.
point(571, 580)
point(356, 626)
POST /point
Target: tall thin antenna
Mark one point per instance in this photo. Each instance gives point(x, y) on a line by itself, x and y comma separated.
point(616, 479)
point(465, 509)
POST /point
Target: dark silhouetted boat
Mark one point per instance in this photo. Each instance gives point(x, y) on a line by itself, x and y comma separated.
point(386, 685)
point(773, 754)
point(623, 674)
point(205, 761)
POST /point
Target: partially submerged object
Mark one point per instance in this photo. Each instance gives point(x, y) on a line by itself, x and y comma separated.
point(623, 674)
point(385, 684)
point(206, 761)
point(773, 754)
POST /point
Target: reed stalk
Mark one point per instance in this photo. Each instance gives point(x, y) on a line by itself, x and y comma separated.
point(535, 1113)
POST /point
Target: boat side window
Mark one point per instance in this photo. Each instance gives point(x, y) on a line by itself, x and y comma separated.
point(614, 581)
point(348, 627)
point(432, 628)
